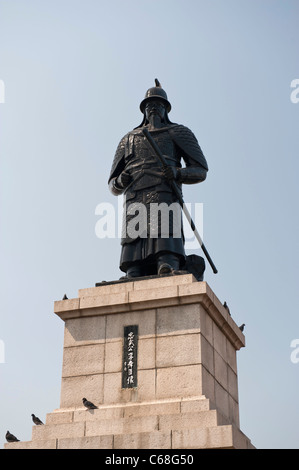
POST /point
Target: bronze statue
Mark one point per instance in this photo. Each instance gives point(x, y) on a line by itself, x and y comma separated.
point(137, 173)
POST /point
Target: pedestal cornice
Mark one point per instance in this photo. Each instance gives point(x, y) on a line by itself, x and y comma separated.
point(150, 294)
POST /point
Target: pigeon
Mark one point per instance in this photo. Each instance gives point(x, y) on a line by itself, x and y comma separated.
point(65, 297)
point(242, 327)
point(89, 405)
point(36, 420)
point(11, 438)
point(226, 306)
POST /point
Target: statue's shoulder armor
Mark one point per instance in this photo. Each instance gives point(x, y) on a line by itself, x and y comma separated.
point(187, 142)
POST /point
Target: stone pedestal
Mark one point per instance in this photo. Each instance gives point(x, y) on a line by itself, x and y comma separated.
point(187, 387)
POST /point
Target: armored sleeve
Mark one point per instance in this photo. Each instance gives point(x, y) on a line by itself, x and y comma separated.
point(188, 146)
point(117, 167)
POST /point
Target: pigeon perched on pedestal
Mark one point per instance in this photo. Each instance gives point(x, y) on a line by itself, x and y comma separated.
point(36, 420)
point(11, 438)
point(65, 297)
point(242, 327)
point(89, 405)
point(226, 306)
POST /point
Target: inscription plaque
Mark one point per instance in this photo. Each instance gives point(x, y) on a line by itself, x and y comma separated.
point(129, 372)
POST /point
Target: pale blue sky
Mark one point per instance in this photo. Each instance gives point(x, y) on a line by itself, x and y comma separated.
point(75, 72)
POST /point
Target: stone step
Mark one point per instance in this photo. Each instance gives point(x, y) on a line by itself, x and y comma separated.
point(41, 444)
point(129, 410)
point(215, 437)
point(129, 425)
point(143, 440)
point(220, 437)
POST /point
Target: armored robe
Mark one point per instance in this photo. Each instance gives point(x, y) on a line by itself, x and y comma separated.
point(148, 185)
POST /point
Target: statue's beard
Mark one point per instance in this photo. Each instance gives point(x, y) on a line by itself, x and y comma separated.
point(155, 116)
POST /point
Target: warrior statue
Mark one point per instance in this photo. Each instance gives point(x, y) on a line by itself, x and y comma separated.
point(137, 173)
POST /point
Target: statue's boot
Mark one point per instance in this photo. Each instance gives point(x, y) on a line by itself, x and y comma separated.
point(134, 271)
point(165, 268)
point(167, 264)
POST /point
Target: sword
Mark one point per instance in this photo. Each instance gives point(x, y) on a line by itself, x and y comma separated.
point(179, 196)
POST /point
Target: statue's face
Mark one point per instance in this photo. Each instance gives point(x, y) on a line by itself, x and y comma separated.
point(155, 107)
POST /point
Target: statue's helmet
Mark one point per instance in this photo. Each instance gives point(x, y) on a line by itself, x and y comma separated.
point(155, 93)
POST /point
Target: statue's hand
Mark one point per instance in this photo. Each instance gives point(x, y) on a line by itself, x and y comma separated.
point(170, 173)
point(123, 180)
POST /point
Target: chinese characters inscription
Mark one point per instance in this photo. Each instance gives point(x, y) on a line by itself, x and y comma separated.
point(129, 374)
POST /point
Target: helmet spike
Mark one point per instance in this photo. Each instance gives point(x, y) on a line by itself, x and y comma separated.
point(158, 84)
